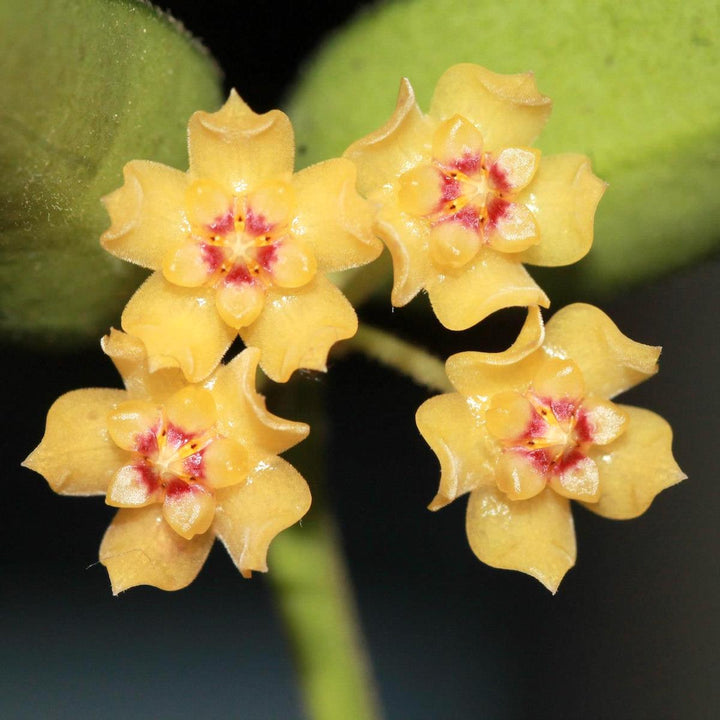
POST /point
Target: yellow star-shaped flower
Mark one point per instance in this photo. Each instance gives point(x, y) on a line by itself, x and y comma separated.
point(240, 244)
point(463, 200)
point(185, 463)
point(533, 427)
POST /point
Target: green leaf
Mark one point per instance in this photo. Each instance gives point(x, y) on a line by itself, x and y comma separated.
point(86, 86)
point(635, 85)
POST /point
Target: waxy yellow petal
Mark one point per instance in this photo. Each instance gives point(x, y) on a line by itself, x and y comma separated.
point(406, 237)
point(332, 218)
point(274, 201)
point(606, 419)
point(636, 467)
point(248, 517)
point(130, 358)
point(534, 536)
point(179, 327)
point(509, 415)
point(563, 197)
point(507, 109)
point(491, 282)
point(76, 455)
point(187, 266)
point(206, 203)
point(420, 190)
point(146, 214)
point(140, 548)
point(453, 427)
point(399, 145)
point(239, 148)
point(298, 330)
point(295, 264)
point(514, 168)
point(242, 413)
point(482, 375)
point(609, 361)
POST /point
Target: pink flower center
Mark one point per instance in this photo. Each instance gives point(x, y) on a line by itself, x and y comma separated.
point(546, 434)
point(178, 458)
point(468, 195)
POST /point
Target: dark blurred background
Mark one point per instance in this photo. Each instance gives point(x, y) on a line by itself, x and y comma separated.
point(632, 633)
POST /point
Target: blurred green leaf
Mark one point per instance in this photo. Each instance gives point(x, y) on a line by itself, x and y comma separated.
point(635, 85)
point(86, 86)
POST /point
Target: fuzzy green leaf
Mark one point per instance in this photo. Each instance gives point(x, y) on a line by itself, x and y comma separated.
point(86, 86)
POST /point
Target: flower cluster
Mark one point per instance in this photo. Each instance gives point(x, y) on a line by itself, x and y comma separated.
point(241, 245)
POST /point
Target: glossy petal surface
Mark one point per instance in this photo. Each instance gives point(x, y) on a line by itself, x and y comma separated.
point(407, 240)
point(563, 196)
point(249, 517)
point(490, 283)
point(297, 330)
point(248, 238)
point(609, 361)
point(332, 218)
point(452, 426)
point(76, 455)
point(164, 451)
point(396, 147)
point(508, 109)
point(459, 194)
point(140, 548)
point(242, 412)
point(482, 375)
point(130, 358)
point(189, 512)
point(530, 422)
point(238, 147)
point(535, 536)
point(636, 467)
point(146, 213)
point(130, 488)
point(179, 327)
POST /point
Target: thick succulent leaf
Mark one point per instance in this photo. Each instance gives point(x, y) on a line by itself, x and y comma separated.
point(87, 86)
point(653, 134)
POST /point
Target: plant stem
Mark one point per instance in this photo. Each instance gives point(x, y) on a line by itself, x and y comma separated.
point(402, 356)
point(313, 590)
